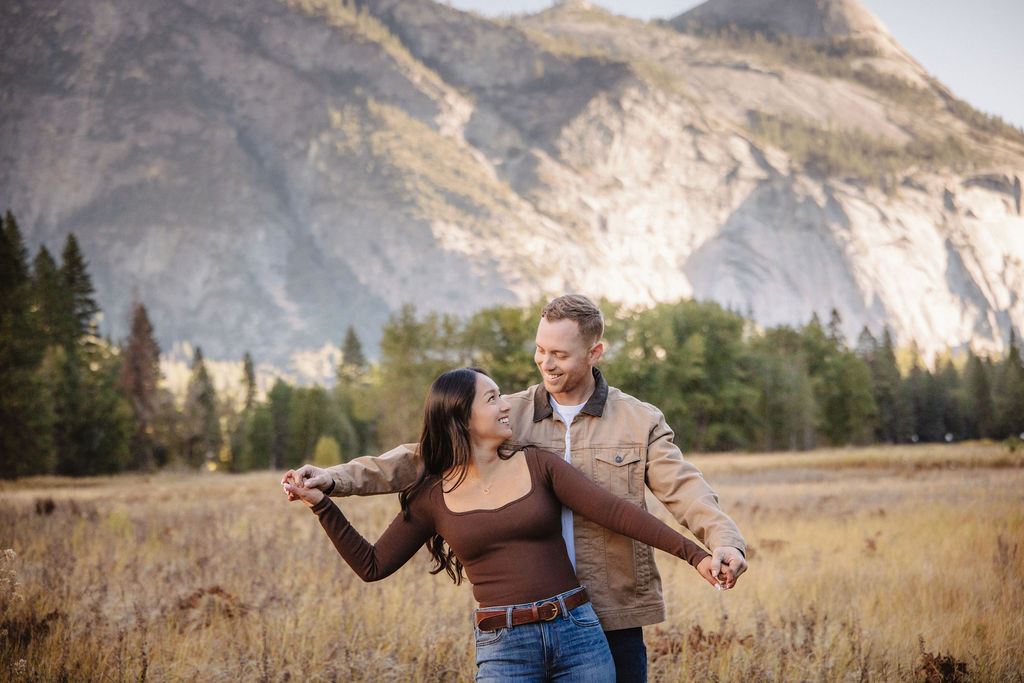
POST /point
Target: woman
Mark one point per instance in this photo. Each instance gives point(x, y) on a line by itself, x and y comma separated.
point(498, 518)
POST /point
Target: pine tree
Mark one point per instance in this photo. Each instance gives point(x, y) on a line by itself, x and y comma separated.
point(786, 405)
point(79, 289)
point(241, 425)
point(848, 406)
point(312, 415)
point(249, 381)
point(25, 413)
point(835, 330)
point(893, 413)
point(279, 400)
point(352, 358)
point(49, 301)
point(202, 424)
point(954, 420)
point(981, 415)
point(138, 382)
point(258, 439)
point(92, 423)
point(1010, 392)
point(354, 396)
point(103, 430)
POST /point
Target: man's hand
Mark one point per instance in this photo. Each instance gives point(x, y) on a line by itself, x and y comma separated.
point(727, 564)
point(307, 476)
point(294, 489)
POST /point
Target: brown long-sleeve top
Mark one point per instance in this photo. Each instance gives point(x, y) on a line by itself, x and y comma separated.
point(513, 554)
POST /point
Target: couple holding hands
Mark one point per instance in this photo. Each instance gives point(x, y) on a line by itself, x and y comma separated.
point(538, 498)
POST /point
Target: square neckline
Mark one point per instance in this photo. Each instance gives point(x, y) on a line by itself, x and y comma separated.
point(527, 452)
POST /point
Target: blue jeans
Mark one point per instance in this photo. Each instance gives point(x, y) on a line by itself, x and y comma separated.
point(629, 653)
point(569, 648)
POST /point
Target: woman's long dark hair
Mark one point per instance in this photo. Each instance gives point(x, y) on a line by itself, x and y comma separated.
point(445, 445)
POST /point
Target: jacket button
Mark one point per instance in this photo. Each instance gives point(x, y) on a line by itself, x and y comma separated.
point(618, 458)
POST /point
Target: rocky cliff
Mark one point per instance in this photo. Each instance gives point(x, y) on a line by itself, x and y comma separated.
point(264, 174)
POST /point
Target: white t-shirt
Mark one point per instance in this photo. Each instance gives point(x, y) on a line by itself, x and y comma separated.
point(567, 414)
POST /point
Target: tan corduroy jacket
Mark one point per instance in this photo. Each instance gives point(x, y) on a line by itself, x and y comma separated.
point(622, 444)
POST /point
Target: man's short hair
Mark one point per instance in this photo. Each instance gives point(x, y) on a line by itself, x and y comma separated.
point(580, 309)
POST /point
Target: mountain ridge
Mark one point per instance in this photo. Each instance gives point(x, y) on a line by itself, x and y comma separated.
point(318, 164)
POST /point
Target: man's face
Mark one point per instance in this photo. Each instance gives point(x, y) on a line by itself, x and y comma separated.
point(565, 361)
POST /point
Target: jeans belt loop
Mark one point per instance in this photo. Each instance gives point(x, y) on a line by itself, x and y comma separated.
point(508, 618)
point(561, 603)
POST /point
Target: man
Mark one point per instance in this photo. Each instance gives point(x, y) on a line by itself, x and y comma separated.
point(617, 441)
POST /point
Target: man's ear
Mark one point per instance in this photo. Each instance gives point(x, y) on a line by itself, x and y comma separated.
point(595, 352)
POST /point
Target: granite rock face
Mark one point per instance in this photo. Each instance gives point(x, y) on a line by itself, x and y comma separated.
point(264, 174)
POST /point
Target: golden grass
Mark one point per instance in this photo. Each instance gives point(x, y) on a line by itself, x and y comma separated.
point(865, 564)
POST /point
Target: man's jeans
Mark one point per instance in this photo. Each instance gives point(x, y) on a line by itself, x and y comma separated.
point(630, 654)
point(569, 648)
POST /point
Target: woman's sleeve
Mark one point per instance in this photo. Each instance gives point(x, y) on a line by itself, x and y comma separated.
point(586, 498)
point(372, 562)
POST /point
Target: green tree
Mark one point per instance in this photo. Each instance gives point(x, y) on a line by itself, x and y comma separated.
point(312, 415)
point(241, 424)
point(202, 423)
point(248, 381)
point(106, 423)
point(92, 423)
point(169, 433)
point(848, 407)
point(355, 397)
point(786, 408)
point(78, 288)
point(894, 414)
point(413, 353)
point(53, 320)
point(307, 421)
point(954, 410)
point(327, 452)
point(689, 359)
point(924, 394)
point(279, 405)
point(981, 416)
point(353, 360)
point(835, 331)
point(26, 415)
point(1010, 391)
point(501, 340)
point(138, 382)
point(257, 439)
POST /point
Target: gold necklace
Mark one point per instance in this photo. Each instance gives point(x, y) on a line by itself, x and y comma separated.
point(487, 489)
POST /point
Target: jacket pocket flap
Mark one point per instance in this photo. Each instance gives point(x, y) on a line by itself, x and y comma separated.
point(617, 456)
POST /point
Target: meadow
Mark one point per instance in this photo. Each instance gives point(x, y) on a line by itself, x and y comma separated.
point(875, 564)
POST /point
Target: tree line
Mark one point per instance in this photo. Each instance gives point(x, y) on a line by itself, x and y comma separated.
point(73, 403)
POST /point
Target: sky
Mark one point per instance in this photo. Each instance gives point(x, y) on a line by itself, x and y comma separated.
point(974, 47)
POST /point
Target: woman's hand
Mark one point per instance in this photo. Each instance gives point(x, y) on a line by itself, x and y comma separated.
point(294, 489)
point(704, 569)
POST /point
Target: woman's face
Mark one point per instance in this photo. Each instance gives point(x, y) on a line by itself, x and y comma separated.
point(488, 418)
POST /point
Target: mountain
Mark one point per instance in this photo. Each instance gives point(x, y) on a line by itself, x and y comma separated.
point(264, 174)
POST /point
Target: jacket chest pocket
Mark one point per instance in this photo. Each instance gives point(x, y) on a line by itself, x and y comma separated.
point(620, 471)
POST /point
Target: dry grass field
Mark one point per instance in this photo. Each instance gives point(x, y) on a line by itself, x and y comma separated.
point(883, 564)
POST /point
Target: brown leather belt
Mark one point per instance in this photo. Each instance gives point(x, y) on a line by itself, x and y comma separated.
point(492, 620)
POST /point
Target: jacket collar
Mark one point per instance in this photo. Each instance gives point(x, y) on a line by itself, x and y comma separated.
point(594, 406)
